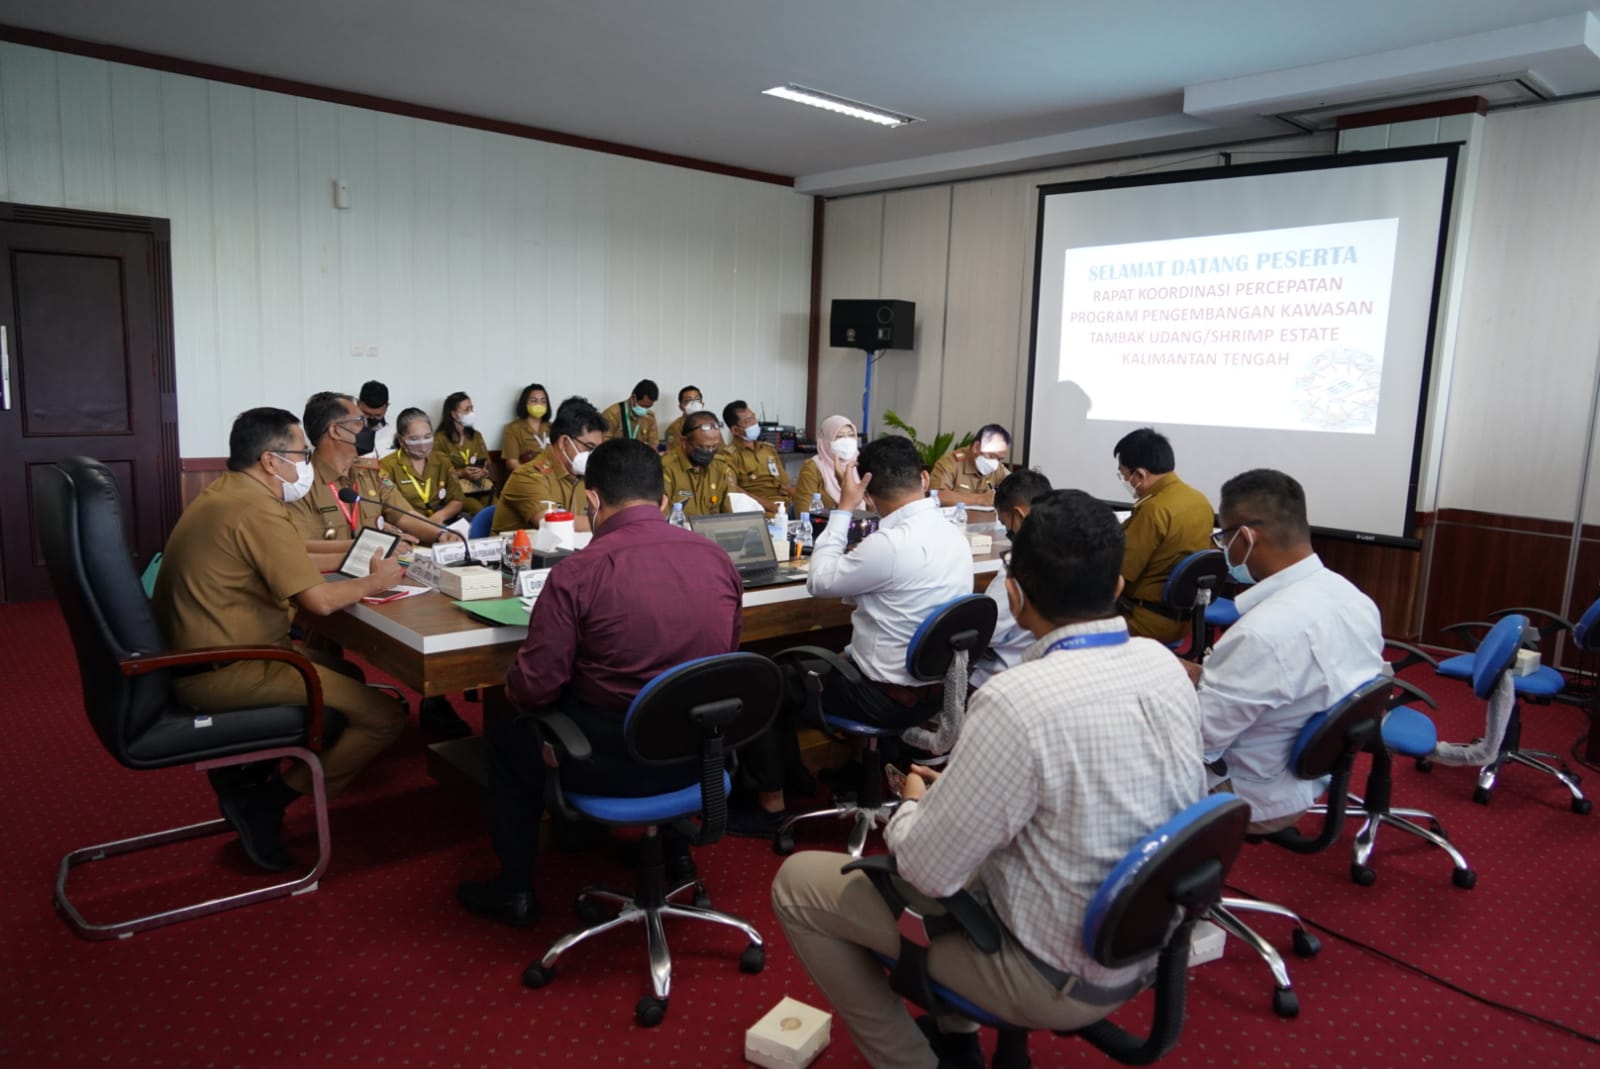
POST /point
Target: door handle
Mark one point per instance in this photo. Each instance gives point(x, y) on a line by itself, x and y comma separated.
point(5, 371)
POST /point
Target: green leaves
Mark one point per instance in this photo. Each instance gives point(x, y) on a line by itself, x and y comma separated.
point(929, 451)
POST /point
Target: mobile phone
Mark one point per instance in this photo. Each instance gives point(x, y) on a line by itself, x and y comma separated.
point(897, 780)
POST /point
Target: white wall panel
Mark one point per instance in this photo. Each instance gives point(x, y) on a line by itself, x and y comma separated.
point(852, 258)
point(916, 247)
point(469, 260)
point(984, 355)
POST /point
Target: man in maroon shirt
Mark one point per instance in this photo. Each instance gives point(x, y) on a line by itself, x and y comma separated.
point(643, 597)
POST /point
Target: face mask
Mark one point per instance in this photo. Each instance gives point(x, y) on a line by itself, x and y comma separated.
point(294, 491)
point(1239, 572)
point(366, 440)
point(579, 461)
point(467, 418)
point(987, 465)
point(420, 448)
point(692, 407)
point(701, 457)
point(1133, 491)
point(640, 411)
point(847, 449)
point(752, 432)
point(537, 411)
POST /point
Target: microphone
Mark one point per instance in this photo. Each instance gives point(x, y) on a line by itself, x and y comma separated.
point(350, 497)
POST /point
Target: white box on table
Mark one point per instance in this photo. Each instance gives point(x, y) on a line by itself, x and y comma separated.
point(469, 583)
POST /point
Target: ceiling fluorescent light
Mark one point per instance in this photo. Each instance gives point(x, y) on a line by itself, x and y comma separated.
point(839, 105)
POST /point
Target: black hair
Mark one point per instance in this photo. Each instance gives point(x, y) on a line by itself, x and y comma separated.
point(409, 415)
point(1020, 488)
point(446, 423)
point(1145, 448)
point(991, 429)
point(522, 400)
point(695, 420)
point(1067, 557)
point(322, 409)
point(646, 390)
point(685, 390)
point(374, 394)
point(1272, 499)
point(894, 464)
point(730, 413)
point(576, 416)
point(623, 470)
point(257, 431)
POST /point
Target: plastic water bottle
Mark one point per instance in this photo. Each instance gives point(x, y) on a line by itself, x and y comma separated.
point(960, 518)
point(816, 508)
point(933, 495)
point(678, 519)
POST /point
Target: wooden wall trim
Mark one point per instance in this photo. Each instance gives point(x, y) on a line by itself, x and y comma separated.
point(1432, 109)
point(212, 72)
point(814, 340)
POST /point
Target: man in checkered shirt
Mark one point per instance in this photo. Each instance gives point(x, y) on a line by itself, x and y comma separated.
point(1065, 761)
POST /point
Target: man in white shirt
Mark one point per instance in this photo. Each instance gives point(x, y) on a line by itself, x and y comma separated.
point(896, 577)
point(1064, 762)
point(1306, 637)
point(1013, 499)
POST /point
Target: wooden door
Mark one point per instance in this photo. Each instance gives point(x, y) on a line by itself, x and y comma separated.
point(86, 369)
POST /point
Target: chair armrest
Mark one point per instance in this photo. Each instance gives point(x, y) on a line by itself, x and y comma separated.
point(144, 664)
point(1397, 700)
point(967, 913)
point(1413, 654)
point(1471, 630)
point(1553, 624)
point(564, 732)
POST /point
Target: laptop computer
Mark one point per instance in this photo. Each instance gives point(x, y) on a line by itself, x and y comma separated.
point(744, 536)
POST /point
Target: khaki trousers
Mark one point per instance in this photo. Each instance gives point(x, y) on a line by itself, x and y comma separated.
point(374, 719)
point(836, 923)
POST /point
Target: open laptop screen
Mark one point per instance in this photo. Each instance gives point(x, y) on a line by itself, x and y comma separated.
point(744, 536)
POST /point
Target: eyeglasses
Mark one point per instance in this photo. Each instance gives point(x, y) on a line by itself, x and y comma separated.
point(358, 421)
point(287, 453)
point(1224, 536)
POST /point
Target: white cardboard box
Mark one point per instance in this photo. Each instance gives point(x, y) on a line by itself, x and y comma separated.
point(1206, 943)
point(790, 1036)
point(469, 583)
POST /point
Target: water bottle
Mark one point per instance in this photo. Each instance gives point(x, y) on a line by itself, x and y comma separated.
point(933, 495)
point(960, 518)
point(816, 508)
point(678, 519)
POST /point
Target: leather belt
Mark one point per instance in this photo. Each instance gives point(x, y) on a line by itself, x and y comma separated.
point(1128, 604)
point(1080, 990)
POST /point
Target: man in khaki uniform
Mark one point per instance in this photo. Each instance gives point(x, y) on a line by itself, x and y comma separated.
point(555, 475)
point(329, 526)
point(755, 463)
point(690, 401)
point(968, 476)
point(1170, 520)
point(635, 417)
point(232, 574)
point(697, 476)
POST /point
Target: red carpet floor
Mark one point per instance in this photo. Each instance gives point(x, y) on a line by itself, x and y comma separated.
point(380, 968)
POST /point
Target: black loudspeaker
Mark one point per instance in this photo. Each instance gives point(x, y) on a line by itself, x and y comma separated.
point(872, 325)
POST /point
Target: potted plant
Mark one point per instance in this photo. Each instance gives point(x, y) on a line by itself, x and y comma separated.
point(930, 452)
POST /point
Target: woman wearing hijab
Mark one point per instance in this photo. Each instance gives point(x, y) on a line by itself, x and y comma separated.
point(837, 448)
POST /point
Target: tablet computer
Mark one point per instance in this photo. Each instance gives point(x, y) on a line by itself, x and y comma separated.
point(357, 563)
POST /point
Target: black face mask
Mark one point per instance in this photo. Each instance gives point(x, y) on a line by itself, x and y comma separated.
point(366, 438)
point(702, 457)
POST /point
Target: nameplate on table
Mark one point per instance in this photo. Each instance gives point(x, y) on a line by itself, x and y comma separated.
point(452, 552)
point(423, 571)
point(485, 550)
point(530, 582)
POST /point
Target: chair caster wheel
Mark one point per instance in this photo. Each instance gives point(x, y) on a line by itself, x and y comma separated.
point(649, 1010)
point(1465, 879)
point(753, 959)
point(1424, 764)
point(1285, 1003)
point(536, 976)
point(1581, 806)
point(783, 845)
point(1481, 795)
point(702, 898)
point(590, 912)
point(1305, 945)
point(1363, 875)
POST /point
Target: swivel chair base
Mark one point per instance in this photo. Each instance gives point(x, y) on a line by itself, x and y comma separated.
point(867, 818)
point(1540, 760)
point(648, 906)
point(1285, 1003)
point(1406, 820)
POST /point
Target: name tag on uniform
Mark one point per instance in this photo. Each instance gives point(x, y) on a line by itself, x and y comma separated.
point(449, 553)
point(772, 467)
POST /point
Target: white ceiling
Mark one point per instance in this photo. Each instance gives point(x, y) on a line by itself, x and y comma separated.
point(1002, 84)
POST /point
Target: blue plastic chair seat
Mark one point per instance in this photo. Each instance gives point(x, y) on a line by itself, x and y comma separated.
point(1543, 682)
point(650, 809)
point(856, 727)
point(1458, 667)
point(1409, 732)
point(1222, 613)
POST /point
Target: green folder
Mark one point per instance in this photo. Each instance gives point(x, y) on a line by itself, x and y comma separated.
point(502, 612)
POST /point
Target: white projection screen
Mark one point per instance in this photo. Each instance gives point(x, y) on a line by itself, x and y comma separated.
point(1277, 315)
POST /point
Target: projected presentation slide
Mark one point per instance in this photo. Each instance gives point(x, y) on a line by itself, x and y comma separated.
point(1278, 329)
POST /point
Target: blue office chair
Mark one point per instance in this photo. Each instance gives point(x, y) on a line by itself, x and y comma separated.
point(483, 523)
point(1325, 748)
point(1494, 656)
point(941, 649)
point(1173, 874)
point(702, 709)
point(1191, 589)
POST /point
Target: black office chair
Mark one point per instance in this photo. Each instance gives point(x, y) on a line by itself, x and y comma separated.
point(1192, 587)
point(1326, 747)
point(1146, 908)
point(941, 649)
point(127, 675)
point(702, 709)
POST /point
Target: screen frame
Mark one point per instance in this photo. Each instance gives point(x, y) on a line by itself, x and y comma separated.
point(1449, 152)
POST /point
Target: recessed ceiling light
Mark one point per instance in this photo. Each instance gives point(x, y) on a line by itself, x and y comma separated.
point(839, 105)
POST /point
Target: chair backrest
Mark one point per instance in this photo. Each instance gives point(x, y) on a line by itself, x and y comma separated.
point(964, 623)
point(733, 696)
point(1585, 631)
point(1334, 736)
point(1497, 653)
point(1179, 866)
point(79, 513)
point(1201, 570)
point(482, 523)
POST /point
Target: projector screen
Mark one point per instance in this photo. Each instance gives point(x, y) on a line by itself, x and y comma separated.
point(1276, 315)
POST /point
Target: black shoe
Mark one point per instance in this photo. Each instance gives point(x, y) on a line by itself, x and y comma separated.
point(753, 822)
point(486, 898)
point(240, 779)
point(440, 721)
point(800, 783)
point(956, 1050)
point(257, 815)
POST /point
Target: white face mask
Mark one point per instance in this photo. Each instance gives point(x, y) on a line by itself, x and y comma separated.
point(294, 491)
point(752, 432)
point(1133, 491)
point(580, 460)
point(846, 449)
point(467, 418)
point(987, 465)
point(692, 407)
